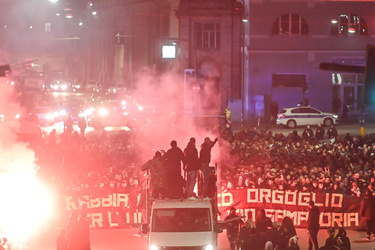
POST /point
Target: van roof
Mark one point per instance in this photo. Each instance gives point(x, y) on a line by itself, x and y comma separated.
point(182, 204)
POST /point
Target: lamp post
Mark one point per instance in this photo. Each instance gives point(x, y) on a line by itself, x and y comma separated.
point(245, 60)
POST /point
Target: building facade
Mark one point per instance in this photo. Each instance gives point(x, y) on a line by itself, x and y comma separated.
point(104, 41)
point(211, 32)
point(290, 39)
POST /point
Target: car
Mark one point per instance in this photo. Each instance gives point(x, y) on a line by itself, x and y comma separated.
point(46, 115)
point(305, 115)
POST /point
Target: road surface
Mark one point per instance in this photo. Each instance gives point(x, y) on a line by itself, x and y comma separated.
point(118, 239)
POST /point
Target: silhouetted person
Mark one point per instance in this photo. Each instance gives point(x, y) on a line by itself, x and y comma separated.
point(68, 125)
point(367, 212)
point(286, 231)
point(174, 157)
point(332, 132)
point(319, 133)
point(232, 226)
point(262, 222)
point(307, 133)
point(342, 241)
point(313, 225)
point(82, 124)
point(158, 173)
point(192, 166)
point(345, 110)
point(330, 243)
point(205, 159)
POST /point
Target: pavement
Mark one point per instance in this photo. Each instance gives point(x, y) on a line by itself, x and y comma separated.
point(355, 240)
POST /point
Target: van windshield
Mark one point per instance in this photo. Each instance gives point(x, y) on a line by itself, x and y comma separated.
point(181, 220)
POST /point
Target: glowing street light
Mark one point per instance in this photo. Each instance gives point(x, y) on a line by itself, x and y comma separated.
point(53, 1)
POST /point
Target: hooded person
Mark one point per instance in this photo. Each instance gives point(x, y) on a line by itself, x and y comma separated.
point(342, 241)
point(158, 173)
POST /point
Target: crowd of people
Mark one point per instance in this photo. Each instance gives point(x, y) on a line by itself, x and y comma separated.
point(249, 159)
point(307, 163)
point(254, 158)
point(264, 234)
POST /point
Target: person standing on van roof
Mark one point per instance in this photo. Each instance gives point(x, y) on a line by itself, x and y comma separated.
point(205, 159)
point(191, 167)
point(174, 156)
point(158, 175)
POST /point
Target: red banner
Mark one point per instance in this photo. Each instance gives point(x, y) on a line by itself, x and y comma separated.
point(336, 210)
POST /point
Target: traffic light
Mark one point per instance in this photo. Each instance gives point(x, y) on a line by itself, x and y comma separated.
point(369, 95)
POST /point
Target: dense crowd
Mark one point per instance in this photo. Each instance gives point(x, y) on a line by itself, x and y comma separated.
point(101, 163)
point(253, 158)
point(265, 234)
point(261, 159)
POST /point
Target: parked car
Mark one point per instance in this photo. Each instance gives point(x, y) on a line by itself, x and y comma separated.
point(305, 115)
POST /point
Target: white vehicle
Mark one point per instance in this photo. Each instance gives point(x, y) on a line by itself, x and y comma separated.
point(305, 115)
point(183, 224)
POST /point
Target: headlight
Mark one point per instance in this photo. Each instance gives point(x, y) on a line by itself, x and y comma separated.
point(63, 112)
point(153, 247)
point(140, 108)
point(49, 116)
point(103, 112)
point(208, 247)
point(335, 116)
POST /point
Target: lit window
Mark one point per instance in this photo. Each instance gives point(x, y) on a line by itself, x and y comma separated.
point(349, 23)
point(290, 24)
point(47, 27)
point(207, 35)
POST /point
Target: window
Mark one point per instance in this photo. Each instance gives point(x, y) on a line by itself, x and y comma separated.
point(181, 220)
point(348, 23)
point(288, 80)
point(310, 110)
point(290, 24)
point(207, 35)
point(47, 27)
point(297, 111)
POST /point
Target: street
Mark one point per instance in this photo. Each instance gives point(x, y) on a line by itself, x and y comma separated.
point(117, 239)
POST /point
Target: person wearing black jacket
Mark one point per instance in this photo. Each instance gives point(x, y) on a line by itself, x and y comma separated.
point(342, 241)
point(331, 240)
point(332, 132)
point(313, 225)
point(205, 159)
point(307, 133)
point(367, 212)
point(319, 133)
point(173, 157)
point(191, 167)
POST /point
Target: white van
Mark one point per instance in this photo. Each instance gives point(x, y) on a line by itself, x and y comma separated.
point(183, 224)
